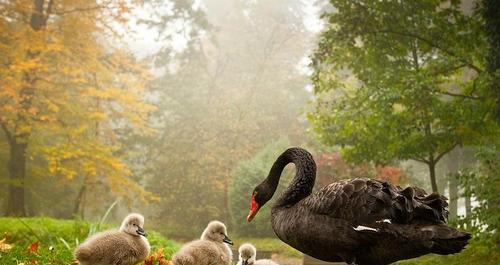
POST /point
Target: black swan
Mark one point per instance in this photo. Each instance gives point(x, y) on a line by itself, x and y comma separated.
point(360, 221)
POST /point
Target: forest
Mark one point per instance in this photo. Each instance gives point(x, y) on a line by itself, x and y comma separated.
point(178, 109)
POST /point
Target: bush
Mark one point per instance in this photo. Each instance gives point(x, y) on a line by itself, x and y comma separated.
point(246, 176)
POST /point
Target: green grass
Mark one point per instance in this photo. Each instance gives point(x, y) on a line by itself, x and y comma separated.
point(269, 244)
point(475, 253)
point(57, 239)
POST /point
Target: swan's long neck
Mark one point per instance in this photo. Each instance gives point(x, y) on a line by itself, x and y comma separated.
point(305, 175)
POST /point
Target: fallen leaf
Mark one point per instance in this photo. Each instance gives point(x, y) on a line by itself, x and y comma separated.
point(149, 260)
point(33, 248)
point(157, 256)
point(4, 247)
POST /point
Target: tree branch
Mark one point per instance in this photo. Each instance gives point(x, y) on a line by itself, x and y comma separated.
point(103, 4)
point(49, 9)
point(459, 95)
point(9, 136)
point(450, 69)
point(77, 10)
point(421, 160)
point(431, 43)
point(445, 152)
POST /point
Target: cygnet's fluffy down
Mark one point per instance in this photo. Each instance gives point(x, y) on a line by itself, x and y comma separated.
point(248, 254)
point(126, 246)
point(208, 250)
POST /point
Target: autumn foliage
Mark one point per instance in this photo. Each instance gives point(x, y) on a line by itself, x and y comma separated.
point(66, 89)
point(157, 258)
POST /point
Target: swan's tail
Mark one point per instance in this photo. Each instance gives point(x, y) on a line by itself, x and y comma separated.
point(431, 207)
point(446, 240)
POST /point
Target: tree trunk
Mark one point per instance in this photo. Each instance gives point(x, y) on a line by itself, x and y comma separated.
point(468, 207)
point(453, 159)
point(17, 171)
point(18, 141)
point(78, 209)
point(490, 12)
point(453, 186)
point(432, 174)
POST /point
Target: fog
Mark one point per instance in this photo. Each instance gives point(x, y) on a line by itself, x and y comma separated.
point(178, 109)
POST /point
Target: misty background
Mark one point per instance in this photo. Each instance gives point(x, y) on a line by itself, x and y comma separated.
point(187, 104)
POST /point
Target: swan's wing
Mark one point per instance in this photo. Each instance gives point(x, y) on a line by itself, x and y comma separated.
point(359, 201)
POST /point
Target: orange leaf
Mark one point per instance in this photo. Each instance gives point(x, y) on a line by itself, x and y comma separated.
point(149, 260)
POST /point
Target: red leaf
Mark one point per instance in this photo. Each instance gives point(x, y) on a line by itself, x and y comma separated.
point(33, 248)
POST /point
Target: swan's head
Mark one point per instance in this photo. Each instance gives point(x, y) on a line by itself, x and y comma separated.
point(216, 231)
point(133, 224)
point(260, 196)
point(247, 254)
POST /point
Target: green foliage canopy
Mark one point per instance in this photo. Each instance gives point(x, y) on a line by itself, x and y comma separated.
point(399, 80)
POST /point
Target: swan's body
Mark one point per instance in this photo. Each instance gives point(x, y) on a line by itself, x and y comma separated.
point(248, 256)
point(208, 250)
point(126, 246)
point(363, 221)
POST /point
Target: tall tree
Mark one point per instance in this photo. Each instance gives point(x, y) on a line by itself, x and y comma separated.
point(490, 10)
point(232, 91)
point(58, 79)
point(399, 80)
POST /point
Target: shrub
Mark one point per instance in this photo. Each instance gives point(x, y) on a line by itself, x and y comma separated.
point(246, 176)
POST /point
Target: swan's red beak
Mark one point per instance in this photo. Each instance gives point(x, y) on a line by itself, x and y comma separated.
point(254, 208)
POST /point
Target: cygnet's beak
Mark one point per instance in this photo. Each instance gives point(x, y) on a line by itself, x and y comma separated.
point(141, 231)
point(227, 240)
point(244, 262)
